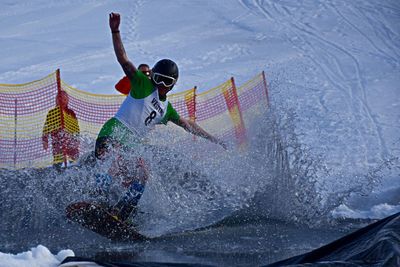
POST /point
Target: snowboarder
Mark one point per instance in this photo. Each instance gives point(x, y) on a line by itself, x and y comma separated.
point(145, 106)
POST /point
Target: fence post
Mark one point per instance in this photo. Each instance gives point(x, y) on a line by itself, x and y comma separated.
point(242, 129)
point(194, 102)
point(232, 102)
point(61, 118)
point(15, 133)
point(194, 107)
point(190, 101)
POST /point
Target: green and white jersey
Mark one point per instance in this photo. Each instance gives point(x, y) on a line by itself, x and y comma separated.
point(143, 108)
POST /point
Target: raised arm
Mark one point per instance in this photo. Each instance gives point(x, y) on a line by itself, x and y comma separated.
point(195, 129)
point(127, 66)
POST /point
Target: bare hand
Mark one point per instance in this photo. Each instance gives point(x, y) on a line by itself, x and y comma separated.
point(115, 20)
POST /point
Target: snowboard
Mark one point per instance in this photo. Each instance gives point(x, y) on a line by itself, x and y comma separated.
point(97, 219)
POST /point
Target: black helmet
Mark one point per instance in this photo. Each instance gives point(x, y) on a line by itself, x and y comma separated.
point(165, 72)
point(166, 67)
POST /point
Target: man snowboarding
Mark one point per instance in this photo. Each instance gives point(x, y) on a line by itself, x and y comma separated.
point(145, 106)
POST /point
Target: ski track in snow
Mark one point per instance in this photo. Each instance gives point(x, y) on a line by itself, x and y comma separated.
point(338, 73)
point(131, 38)
point(78, 62)
point(386, 35)
point(380, 52)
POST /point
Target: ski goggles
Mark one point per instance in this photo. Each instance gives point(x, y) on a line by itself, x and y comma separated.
point(165, 80)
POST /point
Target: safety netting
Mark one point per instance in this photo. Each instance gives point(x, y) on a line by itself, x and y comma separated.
point(39, 128)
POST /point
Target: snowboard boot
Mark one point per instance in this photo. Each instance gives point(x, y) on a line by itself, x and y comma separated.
point(127, 205)
point(123, 210)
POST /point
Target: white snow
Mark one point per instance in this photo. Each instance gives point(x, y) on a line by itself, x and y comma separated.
point(39, 256)
point(378, 211)
point(334, 62)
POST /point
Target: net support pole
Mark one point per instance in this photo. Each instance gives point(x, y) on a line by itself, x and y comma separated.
point(232, 102)
point(242, 134)
point(194, 108)
point(15, 132)
point(190, 101)
point(62, 122)
point(194, 103)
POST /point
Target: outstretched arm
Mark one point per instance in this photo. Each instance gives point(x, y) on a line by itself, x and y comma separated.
point(127, 66)
point(195, 129)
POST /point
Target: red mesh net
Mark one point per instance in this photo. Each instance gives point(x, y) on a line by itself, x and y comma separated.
point(34, 133)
